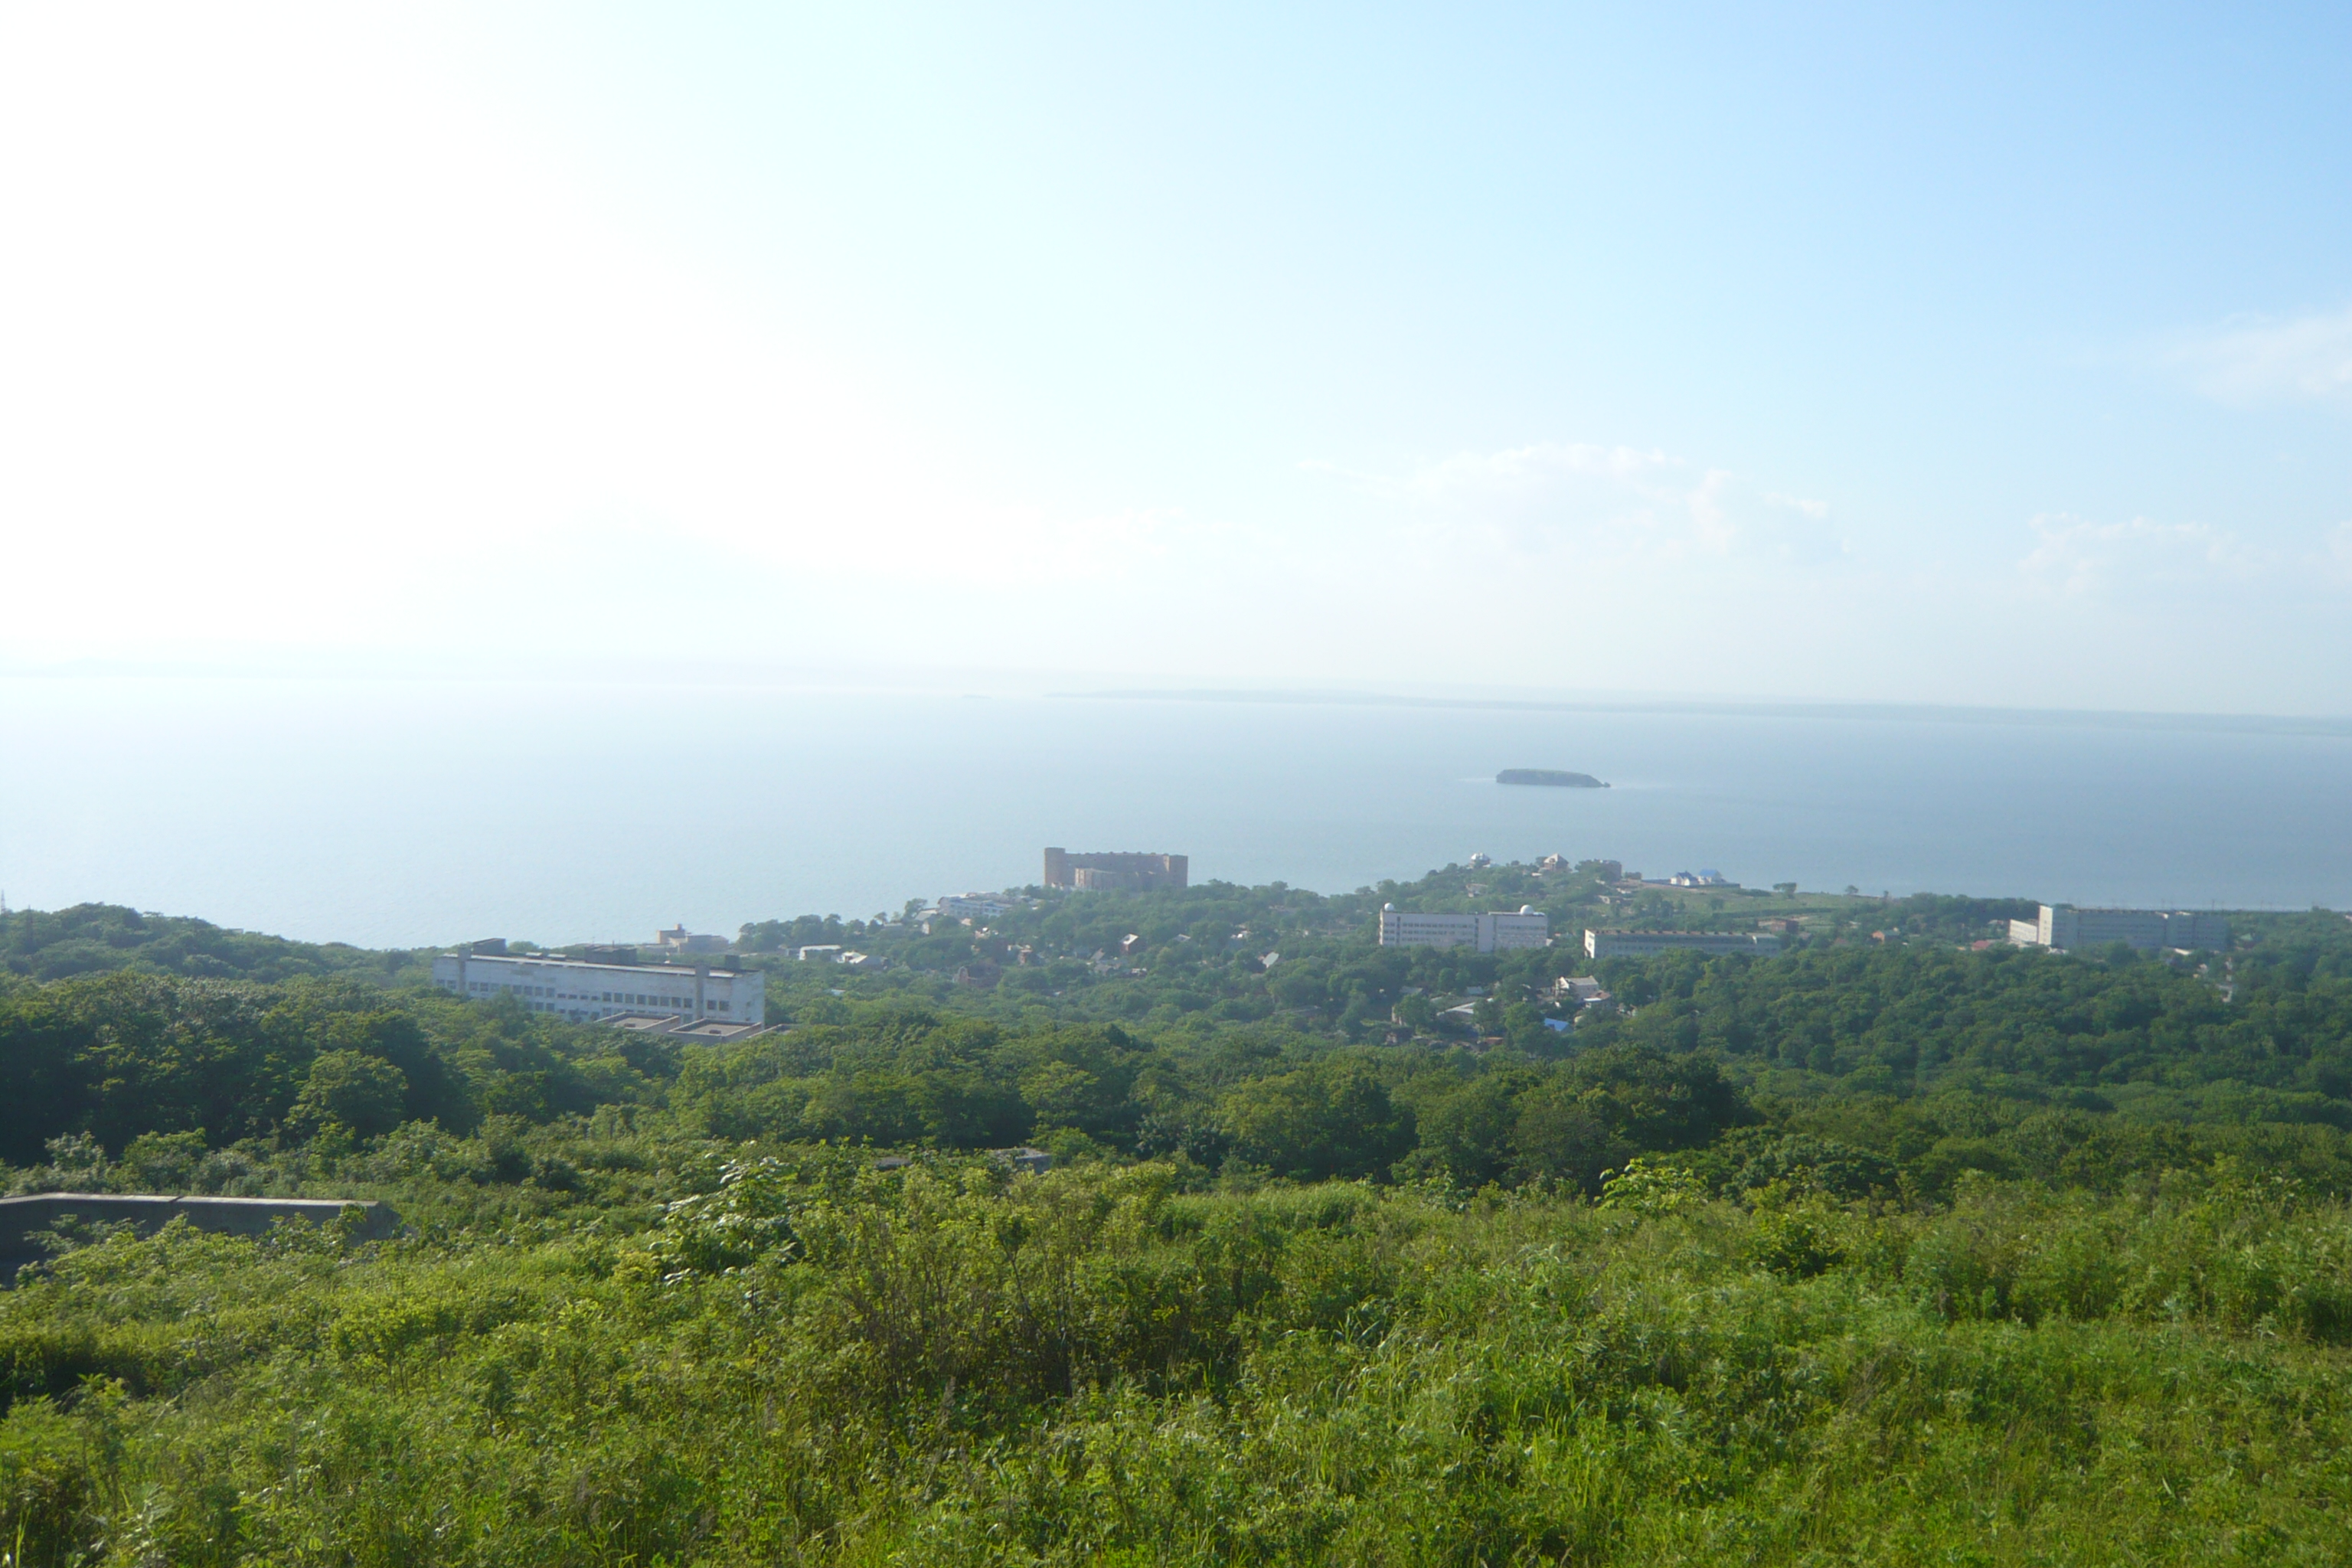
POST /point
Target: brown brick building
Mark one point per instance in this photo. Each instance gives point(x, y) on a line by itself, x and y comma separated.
point(1114, 873)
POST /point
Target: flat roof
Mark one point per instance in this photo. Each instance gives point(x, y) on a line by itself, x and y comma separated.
point(1725, 935)
point(679, 1026)
point(594, 963)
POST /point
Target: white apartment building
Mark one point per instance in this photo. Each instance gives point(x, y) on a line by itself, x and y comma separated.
point(1499, 932)
point(1644, 943)
point(972, 906)
point(2064, 925)
point(581, 992)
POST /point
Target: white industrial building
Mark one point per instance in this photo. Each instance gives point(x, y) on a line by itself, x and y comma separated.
point(2065, 926)
point(1647, 944)
point(581, 992)
point(1494, 932)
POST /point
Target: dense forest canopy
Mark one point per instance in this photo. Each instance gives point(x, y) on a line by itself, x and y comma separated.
point(1241, 1029)
point(94, 939)
point(1348, 1253)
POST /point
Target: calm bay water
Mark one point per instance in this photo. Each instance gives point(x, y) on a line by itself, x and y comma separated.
point(398, 813)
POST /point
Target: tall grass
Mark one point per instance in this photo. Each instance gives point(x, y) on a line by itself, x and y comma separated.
point(949, 1365)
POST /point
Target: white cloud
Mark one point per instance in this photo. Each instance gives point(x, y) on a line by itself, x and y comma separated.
point(2307, 358)
point(2082, 560)
point(1609, 505)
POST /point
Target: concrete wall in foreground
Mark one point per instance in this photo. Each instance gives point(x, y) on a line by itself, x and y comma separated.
point(20, 1217)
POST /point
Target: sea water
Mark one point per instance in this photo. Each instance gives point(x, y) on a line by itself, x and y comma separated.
point(396, 813)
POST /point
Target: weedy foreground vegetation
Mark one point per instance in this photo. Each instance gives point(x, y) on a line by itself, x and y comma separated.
point(1868, 1255)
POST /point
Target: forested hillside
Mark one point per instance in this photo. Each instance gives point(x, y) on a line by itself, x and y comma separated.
point(93, 939)
point(1893, 1249)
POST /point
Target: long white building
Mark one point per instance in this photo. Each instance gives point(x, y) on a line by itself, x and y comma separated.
point(2065, 926)
point(580, 991)
point(1645, 943)
point(1498, 932)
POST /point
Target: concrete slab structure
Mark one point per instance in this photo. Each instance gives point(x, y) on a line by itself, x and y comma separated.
point(151, 1211)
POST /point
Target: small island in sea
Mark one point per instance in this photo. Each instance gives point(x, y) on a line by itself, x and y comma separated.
point(1551, 776)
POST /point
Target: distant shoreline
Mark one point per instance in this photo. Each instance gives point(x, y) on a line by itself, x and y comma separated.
point(1874, 713)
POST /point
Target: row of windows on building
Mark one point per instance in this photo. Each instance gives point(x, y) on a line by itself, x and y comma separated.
point(612, 999)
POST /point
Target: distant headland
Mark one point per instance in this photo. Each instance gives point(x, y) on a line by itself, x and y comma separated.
point(1551, 776)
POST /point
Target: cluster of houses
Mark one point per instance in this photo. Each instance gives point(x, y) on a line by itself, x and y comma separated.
point(1573, 1000)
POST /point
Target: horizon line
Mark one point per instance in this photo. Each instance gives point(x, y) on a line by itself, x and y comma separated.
point(1885, 712)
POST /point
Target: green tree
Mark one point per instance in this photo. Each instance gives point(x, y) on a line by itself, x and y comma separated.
point(1332, 1118)
point(1464, 1130)
point(1555, 1136)
point(365, 1093)
point(164, 1162)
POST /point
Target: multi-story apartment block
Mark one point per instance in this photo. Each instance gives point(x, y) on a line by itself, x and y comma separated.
point(973, 906)
point(1114, 873)
point(1644, 943)
point(2064, 925)
point(677, 939)
point(1493, 933)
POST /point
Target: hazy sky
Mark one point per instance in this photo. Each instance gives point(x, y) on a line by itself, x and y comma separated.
point(1988, 356)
